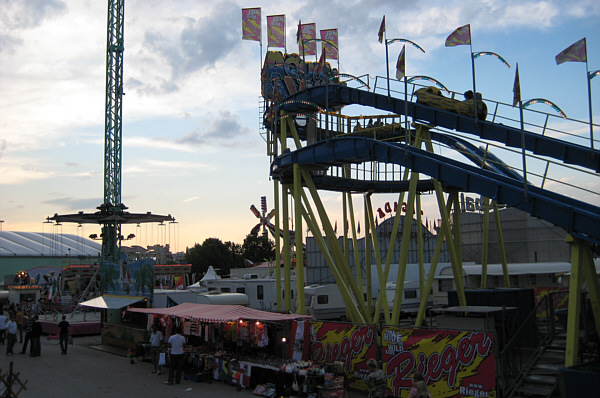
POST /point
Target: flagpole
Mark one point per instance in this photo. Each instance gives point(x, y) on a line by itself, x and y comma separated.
point(474, 88)
point(589, 84)
point(387, 62)
point(523, 149)
point(407, 132)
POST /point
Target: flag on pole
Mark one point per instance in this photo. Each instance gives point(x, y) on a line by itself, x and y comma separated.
point(251, 24)
point(401, 65)
point(322, 59)
point(381, 30)
point(299, 31)
point(576, 52)
point(329, 37)
point(517, 88)
point(460, 36)
point(276, 30)
point(307, 32)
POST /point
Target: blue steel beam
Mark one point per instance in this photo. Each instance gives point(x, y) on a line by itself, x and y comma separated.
point(577, 218)
point(337, 95)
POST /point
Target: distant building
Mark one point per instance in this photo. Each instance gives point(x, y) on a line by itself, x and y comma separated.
point(526, 239)
point(317, 269)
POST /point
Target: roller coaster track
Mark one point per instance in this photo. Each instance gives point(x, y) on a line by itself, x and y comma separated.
point(336, 95)
point(578, 218)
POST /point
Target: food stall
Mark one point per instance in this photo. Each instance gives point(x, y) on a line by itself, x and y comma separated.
point(232, 343)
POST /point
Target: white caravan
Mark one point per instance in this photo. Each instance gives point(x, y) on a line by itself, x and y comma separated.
point(261, 292)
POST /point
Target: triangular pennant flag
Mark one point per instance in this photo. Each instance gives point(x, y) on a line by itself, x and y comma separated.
point(401, 65)
point(381, 30)
point(576, 52)
point(460, 36)
point(517, 88)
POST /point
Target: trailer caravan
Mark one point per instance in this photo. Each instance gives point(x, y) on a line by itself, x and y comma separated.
point(261, 292)
point(411, 296)
point(324, 302)
point(520, 275)
point(164, 298)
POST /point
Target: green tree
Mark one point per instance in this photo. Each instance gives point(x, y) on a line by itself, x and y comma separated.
point(222, 256)
point(258, 248)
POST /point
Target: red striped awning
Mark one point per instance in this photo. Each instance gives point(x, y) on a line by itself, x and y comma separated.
point(219, 313)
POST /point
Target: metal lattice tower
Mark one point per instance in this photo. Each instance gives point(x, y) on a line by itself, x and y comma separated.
point(113, 124)
point(112, 214)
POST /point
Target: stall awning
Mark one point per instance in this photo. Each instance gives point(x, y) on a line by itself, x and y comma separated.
point(219, 313)
point(111, 302)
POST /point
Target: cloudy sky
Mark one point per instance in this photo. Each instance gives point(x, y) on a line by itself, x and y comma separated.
point(191, 141)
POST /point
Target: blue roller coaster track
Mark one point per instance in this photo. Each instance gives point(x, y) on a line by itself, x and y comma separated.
point(497, 182)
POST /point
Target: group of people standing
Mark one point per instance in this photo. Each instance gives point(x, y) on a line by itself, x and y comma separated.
point(175, 345)
point(377, 383)
point(12, 325)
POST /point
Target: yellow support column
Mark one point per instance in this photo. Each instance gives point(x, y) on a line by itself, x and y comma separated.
point(382, 296)
point(299, 239)
point(501, 244)
point(277, 247)
point(420, 247)
point(405, 245)
point(287, 255)
point(575, 285)
point(368, 258)
point(486, 239)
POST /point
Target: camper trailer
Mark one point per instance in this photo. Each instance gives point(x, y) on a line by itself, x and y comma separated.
point(164, 298)
point(261, 292)
point(324, 302)
point(520, 275)
point(411, 296)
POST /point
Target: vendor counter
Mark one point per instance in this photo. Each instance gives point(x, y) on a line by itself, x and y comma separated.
point(270, 377)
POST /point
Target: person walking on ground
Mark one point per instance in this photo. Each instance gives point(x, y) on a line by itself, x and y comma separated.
point(376, 381)
point(3, 320)
point(176, 343)
point(11, 335)
point(20, 323)
point(36, 335)
point(63, 327)
point(155, 342)
point(419, 389)
point(28, 325)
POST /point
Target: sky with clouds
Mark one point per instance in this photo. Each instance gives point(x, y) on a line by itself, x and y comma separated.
point(191, 141)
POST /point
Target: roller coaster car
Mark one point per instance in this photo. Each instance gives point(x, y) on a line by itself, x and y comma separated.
point(432, 96)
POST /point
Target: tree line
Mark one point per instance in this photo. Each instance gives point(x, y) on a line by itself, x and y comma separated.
point(225, 256)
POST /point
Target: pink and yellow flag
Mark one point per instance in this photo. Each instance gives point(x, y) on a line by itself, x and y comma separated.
point(251, 24)
point(329, 37)
point(576, 52)
point(381, 30)
point(460, 36)
point(308, 31)
point(276, 30)
point(401, 65)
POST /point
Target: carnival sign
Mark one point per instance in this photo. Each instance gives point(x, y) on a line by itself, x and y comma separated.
point(348, 343)
point(454, 363)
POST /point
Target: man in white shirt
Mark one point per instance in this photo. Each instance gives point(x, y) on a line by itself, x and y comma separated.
point(155, 342)
point(176, 343)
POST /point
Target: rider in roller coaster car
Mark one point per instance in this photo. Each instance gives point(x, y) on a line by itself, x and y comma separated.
point(432, 96)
